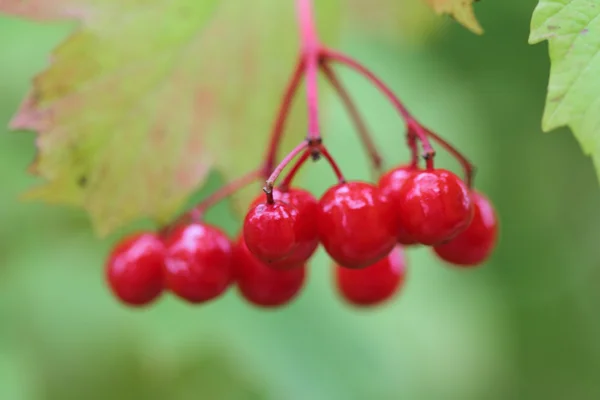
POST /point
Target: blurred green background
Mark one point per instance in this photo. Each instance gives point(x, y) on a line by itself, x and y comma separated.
point(524, 326)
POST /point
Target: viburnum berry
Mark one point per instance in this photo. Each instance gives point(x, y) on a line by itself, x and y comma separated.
point(434, 206)
point(355, 226)
point(262, 285)
point(134, 269)
point(374, 284)
point(198, 263)
point(270, 230)
point(475, 244)
point(389, 186)
point(306, 235)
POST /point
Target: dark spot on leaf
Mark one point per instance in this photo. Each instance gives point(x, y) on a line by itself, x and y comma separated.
point(82, 181)
point(553, 27)
point(584, 31)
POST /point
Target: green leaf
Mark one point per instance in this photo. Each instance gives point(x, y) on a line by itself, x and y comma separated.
point(146, 97)
point(572, 29)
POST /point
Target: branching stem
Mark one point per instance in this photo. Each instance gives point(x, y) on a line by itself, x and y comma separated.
point(312, 58)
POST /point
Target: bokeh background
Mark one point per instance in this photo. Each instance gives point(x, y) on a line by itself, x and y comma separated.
point(524, 326)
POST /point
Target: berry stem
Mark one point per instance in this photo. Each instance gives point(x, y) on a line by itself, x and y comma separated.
point(281, 166)
point(411, 122)
point(225, 191)
point(306, 21)
point(334, 166)
point(357, 119)
point(282, 114)
point(310, 54)
point(411, 141)
point(287, 181)
point(197, 213)
point(467, 166)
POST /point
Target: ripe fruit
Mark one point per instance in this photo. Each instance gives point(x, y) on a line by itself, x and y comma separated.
point(134, 269)
point(434, 206)
point(307, 238)
point(374, 284)
point(354, 225)
point(389, 186)
point(270, 230)
point(261, 284)
point(198, 263)
point(475, 244)
point(307, 235)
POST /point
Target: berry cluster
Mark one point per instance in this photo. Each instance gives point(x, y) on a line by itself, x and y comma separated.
point(364, 227)
point(197, 262)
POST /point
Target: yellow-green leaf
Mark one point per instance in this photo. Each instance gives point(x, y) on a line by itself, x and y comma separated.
point(461, 10)
point(147, 96)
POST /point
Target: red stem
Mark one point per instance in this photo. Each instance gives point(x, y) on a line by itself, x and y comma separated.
point(357, 119)
point(468, 167)
point(287, 181)
point(225, 191)
point(308, 32)
point(312, 96)
point(310, 54)
point(411, 122)
point(336, 169)
point(282, 114)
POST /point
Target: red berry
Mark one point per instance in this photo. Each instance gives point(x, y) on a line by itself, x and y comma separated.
point(374, 284)
point(134, 269)
point(475, 244)
point(270, 230)
point(434, 206)
point(355, 226)
point(199, 262)
point(261, 284)
point(389, 186)
point(307, 238)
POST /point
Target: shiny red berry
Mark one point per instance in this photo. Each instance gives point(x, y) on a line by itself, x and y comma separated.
point(434, 206)
point(270, 230)
point(374, 284)
point(307, 238)
point(389, 186)
point(262, 285)
point(355, 226)
point(475, 244)
point(134, 269)
point(198, 263)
